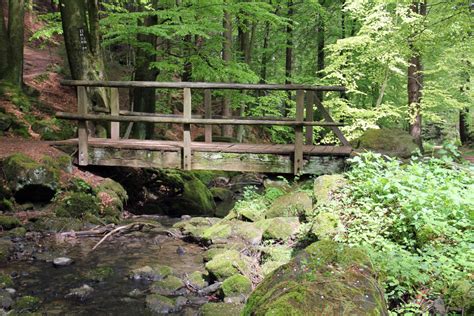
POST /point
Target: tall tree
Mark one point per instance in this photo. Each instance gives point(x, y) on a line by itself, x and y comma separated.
point(415, 81)
point(144, 99)
point(227, 130)
point(11, 42)
point(80, 22)
point(289, 52)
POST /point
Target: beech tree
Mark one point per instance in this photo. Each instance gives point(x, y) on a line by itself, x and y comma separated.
point(11, 41)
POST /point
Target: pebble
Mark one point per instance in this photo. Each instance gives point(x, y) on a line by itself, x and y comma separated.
point(62, 261)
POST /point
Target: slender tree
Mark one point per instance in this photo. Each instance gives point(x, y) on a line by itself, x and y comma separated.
point(227, 130)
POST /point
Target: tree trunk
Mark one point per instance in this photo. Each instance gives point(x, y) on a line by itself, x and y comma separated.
point(464, 127)
point(11, 42)
point(80, 24)
point(227, 130)
point(263, 70)
point(289, 53)
point(415, 85)
point(144, 99)
point(321, 37)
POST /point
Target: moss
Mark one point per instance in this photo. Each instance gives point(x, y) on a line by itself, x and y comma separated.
point(391, 142)
point(53, 129)
point(100, 274)
point(5, 281)
point(6, 246)
point(79, 185)
point(6, 205)
point(461, 295)
point(221, 194)
point(17, 232)
point(220, 309)
point(162, 270)
point(198, 193)
point(9, 222)
point(327, 225)
point(160, 304)
point(279, 228)
point(198, 279)
point(77, 204)
point(209, 254)
point(63, 162)
point(109, 185)
point(236, 285)
point(26, 303)
point(226, 264)
point(167, 286)
point(326, 184)
point(219, 230)
point(291, 204)
point(56, 224)
point(207, 176)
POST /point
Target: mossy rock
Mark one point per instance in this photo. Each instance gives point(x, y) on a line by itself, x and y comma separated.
point(279, 228)
point(53, 129)
point(192, 196)
point(226, 264)
point(8, 222)
point(108, 185)
point(17, 232)
point(6, 247)
point(208, 176)
point(26, 304)
point(325, 279)
point(100, 274)
point(325, 185)
point(160, 304)
point(195, 226)
point(220, 309)
point(30, 181)
point(5, 281)
point(77, 204)
point(79, 185)
point(6, 121)
point(291, 204)
point(461, 295)
point(198, 279)
point(326, 225)
point(154, 273)
point(221, 194)
point(56, 224)
point(275, 256)
point(236, 285)
point(6, 205)
point(63, 163)
point(234, 229)
point(168, 286)
point(390, 142)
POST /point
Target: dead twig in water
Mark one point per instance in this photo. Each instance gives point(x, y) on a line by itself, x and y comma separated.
point(120, 228)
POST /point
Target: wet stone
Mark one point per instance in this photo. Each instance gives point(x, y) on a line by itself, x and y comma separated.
point(160, 304)
point(81, 293)
point(62, 261)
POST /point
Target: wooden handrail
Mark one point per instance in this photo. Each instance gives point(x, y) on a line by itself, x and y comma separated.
point(198, 85)
point(181, 120)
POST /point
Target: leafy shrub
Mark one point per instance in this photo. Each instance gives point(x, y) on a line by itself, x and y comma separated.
point(416, 220)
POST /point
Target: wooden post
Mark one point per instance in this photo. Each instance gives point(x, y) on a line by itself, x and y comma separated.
point(327, 117)
point(309, 116)
point(187, 129)
point(208, 115)
point(114, 111)
point(298, 155)
point(82, 132)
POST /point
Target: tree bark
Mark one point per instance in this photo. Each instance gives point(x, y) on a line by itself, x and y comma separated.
point(321, 37)
point(227, 130)
point(263, 70)
point(144, 99)
point(11, 42)
point(415, 84)
point(289, 53)
point(465, 134)
point(80, 22)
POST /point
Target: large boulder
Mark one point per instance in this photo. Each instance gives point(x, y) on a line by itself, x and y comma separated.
point(291, 204)
point(324, 279)
point(325, 185)
point(30, 181)
point(390, 142)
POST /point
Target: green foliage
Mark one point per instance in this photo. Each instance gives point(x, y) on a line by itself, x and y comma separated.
point(416, 219)
point(77, 204)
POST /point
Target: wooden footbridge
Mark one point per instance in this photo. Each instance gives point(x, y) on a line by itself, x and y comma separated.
point(301, 157)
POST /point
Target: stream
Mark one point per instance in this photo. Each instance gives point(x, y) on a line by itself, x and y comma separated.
point(36, 275)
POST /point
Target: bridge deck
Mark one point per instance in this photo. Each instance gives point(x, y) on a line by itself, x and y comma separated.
point(209, 156)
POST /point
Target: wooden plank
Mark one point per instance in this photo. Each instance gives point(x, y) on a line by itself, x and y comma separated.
point(309, 116)
point(187, 129)
point(82, 132)
point(298, 155)
point(327, 117)
point(198, 85)
point(208, 115)
point(114, 111)
point(178, 120)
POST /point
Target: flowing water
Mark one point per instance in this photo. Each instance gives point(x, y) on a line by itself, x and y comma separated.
point(38, 277)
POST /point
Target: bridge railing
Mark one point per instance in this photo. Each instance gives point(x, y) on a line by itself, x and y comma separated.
point(303, 118)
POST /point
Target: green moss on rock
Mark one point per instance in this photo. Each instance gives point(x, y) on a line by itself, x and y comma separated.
point(160, 304)
point(6, 247)
point(221, 194)
point(236, 285)
point(226, 264)
point(76, 204)
point(325, 279)
point(167, 286)
point(327, 225)
point(198, 279)
point(26, 303)
point(391, 142)
point(53, 129)
point(17, 232)
point(100, 274)
point(8, 222)
point(325, 185)
point(279, 228)
point(109, 185)
point(291, 204)
point(220, 309)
